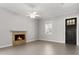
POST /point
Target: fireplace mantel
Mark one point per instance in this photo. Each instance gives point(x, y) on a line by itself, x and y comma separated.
point(17, 31)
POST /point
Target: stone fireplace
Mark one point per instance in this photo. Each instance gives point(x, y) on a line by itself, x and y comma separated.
point(18, 37)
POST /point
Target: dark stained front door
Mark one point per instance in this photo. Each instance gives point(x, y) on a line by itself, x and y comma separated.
point(71, 31)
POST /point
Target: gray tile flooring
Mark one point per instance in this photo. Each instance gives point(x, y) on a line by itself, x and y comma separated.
point(41, 48)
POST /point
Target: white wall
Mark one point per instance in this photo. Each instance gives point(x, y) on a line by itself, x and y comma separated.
point(12, 22)
point(58, 28)
point(42, 35)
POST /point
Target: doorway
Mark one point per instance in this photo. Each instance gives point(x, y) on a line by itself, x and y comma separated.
point(70, 31)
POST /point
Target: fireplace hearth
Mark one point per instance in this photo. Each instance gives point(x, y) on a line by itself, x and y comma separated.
point(18, 37)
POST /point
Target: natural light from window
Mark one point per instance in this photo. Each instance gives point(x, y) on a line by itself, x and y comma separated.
point(48, 28)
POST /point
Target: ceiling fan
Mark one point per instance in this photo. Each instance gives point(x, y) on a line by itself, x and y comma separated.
point(32, 14)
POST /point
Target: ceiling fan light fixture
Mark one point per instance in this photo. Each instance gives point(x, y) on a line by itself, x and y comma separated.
point(33, 15)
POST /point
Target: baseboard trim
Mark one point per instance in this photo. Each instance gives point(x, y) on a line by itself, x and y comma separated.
point(8, 45)
point(53, 41)
point(30, 41)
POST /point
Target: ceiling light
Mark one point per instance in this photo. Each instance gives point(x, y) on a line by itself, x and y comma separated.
point(33, 15)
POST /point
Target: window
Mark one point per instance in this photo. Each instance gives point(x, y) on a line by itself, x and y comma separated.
point(71, 22)
point(48, 28)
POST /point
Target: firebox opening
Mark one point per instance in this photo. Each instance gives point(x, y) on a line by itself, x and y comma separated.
point(19, 37)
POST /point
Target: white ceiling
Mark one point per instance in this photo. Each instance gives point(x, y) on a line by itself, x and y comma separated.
point(43, 9)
